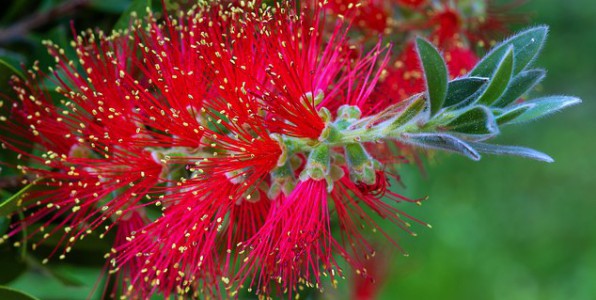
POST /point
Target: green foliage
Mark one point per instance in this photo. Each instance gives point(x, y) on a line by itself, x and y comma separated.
point(413, 110)
point(11, 204)
point(499, 80)
point(477, 106)
point(7, 70)
point(526, 44)
point(463, 89)
point(519, 86)
point(441, 141)
point(506, 116)
point(477, 121)
point(136, 9)
point(542, 107)
point(511, 150)
point(435, 74)
point(12, 294)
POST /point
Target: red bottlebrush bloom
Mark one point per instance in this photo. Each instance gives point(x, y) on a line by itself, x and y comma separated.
point(404, 79)
point(120, 277)
point(495, 22)
point(180, 249)
point(446, 25)
point(460, 60)
point(368, 288)
point(295, 245)
point(366, 14)
point(412, 3)
point(151, 110)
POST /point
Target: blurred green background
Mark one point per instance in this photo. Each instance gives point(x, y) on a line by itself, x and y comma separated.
point(503, 228)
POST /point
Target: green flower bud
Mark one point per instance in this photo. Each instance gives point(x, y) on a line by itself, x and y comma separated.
point(360, 164)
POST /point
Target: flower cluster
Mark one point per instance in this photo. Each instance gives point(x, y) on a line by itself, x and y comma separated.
point(223, 144)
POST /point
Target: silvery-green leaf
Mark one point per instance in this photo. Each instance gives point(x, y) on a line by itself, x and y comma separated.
point(478, 121)
point(499, 80)
point(526, 45)
point(414, 109)
point(520, 85)
point(507, 116)
point(461, 90)
point(511, 150)
point(440, 141)
point(542, 107)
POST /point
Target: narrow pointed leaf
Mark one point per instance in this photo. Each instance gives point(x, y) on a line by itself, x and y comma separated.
point(520, 85)
point(477, 121)
point(441, 141)
point(462, 90)
point(542, 107)
point(109, 6)
point(4, 222)
point(510, 115)
point(10, 205)
point(7, 68)
point(526, 45)
point(408, 114)
point(12, 294)
point(511, 150)
point(499, 80)
point(435, 74)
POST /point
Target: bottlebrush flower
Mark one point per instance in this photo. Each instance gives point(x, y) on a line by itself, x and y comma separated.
point(488, 26)
point(250, 131)
point(121, 276)
point(412, 3)
point(367, 14)
point(368, 288)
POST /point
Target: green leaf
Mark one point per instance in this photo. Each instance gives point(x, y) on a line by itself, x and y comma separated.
point(4, 223)
point(477, 121)
point(11, 204)
point(10, 259)
point(511, 150)
point(462, 90)
point(46, 287)
point(12, 294)
point(526, 45)
point(136, 9)
point(414, 109)
point(499, 80)
point(542, 107)
point(508, 115)
point(55, 272)
point(520, 85)
point(435, 74)
point(440, 141)
point(8, 68)
point(8, 61)
point(12, 11)
point(110, 6)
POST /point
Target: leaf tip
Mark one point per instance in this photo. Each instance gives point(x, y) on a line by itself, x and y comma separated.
point(571, 101)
